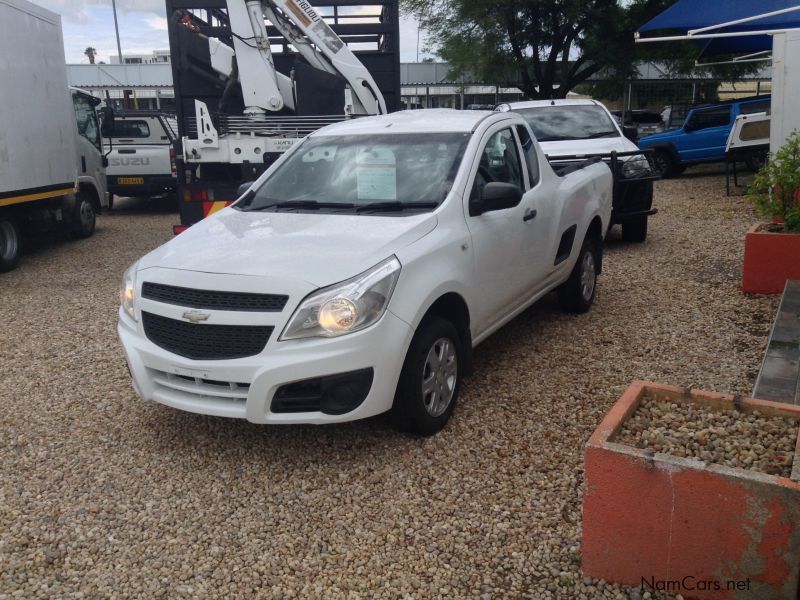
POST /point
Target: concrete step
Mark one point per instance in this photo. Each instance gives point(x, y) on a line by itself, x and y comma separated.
point(779, 377)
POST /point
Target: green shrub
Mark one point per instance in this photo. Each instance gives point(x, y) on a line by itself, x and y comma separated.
point(775, 192)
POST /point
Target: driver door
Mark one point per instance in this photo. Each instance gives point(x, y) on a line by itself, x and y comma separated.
point(501, 277)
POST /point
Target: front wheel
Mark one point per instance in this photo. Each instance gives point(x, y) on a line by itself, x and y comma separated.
point(663, 164)
point(10, 244)
point(430, 379)
point(576, 295)
point(83, 218)
point(635, 229)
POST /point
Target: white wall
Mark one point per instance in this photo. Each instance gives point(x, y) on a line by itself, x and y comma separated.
point(785, 87)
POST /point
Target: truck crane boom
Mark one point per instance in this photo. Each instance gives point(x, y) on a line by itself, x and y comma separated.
point(254, 77)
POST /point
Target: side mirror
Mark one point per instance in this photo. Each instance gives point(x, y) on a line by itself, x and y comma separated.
point(690, 125)
point(107, 122)
point(497, 196)
point(630, 132)
point(105, 162)
point(243, 188)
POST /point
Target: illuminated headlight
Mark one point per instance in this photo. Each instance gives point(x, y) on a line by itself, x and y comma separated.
point(636, 167)
point(345, 307)
point(127, 291)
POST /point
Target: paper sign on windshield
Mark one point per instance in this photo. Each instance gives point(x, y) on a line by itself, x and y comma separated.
point(376, 173)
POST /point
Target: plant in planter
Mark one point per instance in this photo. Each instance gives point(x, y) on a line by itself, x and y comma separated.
point(772, 252)
point(694, 493)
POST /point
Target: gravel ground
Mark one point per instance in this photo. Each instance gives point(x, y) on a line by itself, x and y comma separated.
point(106, 495)
point(726, 437)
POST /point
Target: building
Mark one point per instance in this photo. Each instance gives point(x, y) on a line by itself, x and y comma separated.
point(148, 85)
point(155, 57)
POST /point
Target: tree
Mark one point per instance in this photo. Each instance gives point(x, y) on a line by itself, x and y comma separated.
point(91, 53)
point(545, 47)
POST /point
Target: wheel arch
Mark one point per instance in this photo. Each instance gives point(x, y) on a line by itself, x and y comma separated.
point(452, 307)
point(595, 233)
point(88, 188)
point(669, 148)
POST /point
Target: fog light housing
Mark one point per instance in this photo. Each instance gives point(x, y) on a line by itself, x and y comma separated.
point(331, 395)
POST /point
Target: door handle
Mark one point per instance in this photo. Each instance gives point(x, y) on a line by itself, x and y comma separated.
point(530, 215)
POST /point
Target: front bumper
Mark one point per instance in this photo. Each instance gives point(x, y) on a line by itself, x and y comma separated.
point(244, 388)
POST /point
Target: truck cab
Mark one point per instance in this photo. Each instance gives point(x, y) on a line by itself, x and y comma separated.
point(90, 160)
point(703, 136)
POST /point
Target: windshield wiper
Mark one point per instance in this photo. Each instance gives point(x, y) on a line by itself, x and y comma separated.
point(600, 134)
point(395, 205)
point(305, 204)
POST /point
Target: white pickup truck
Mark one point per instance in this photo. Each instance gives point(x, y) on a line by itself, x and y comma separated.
point(356, 275)
point(574, 130)
point(142, 157)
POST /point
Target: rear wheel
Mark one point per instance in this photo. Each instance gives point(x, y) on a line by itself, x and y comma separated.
point(635, 229)
point(10, 243)
point(576, 295)
point(430, 379)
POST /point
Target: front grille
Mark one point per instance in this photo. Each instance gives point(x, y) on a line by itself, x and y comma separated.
point(209, 299)
point(205, 342)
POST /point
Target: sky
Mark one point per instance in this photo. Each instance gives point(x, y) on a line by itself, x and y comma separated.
point(143, 28)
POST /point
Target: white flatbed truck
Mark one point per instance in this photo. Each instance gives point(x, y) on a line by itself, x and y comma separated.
point(52, 168)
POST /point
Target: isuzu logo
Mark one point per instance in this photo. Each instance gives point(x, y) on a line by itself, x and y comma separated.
point(195, 316)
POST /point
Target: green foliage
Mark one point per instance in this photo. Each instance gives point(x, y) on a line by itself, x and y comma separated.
point(546, 47)
point(776, 188)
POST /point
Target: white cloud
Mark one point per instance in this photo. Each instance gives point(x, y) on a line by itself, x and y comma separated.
point(156, 22)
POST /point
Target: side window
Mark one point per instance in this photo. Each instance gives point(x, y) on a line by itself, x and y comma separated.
point(748, 108)
point(529, 150)
point(128, 128)
point(499, 162)
point(87, 120)
point(715, 117)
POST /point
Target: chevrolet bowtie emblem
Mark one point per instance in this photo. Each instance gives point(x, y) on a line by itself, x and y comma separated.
point(195, 316)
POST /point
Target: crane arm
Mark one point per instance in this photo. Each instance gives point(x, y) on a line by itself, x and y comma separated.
point(263, 87)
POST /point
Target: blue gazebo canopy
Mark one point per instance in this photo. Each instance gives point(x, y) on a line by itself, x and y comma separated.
point(686, 15)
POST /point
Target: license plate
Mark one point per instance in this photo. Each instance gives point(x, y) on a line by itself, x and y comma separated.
point(130, 180)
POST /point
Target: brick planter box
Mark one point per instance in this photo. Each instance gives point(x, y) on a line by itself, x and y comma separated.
point(685, 526)
point(770, 259)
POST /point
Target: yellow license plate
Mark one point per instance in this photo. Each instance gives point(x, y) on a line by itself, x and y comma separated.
point(130, 180)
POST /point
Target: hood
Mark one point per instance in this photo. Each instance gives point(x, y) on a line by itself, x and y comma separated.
point(598, 146)
point(320, 249)
point(660, 136)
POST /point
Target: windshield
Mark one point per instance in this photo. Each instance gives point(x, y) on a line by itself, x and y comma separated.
point(363, 173)
point(576, 122)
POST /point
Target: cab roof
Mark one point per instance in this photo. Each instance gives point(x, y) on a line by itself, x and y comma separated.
point(540, 103)
point(439, 120)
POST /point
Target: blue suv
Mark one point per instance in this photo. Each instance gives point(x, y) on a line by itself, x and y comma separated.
point(703, 136)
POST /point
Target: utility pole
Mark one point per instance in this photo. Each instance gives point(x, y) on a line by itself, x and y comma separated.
point(116, 28)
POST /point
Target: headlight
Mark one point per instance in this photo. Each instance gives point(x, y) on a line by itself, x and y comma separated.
point(635, 167)
point(345, 307)
point(127, 291)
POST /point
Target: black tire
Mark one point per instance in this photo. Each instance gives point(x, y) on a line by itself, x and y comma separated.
point(756, 160)
point(110, 201)
point(576, 295)
point(417, 407)
point(83, 216)
point(10, 243)
point(663, 163)
point(635, 229)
